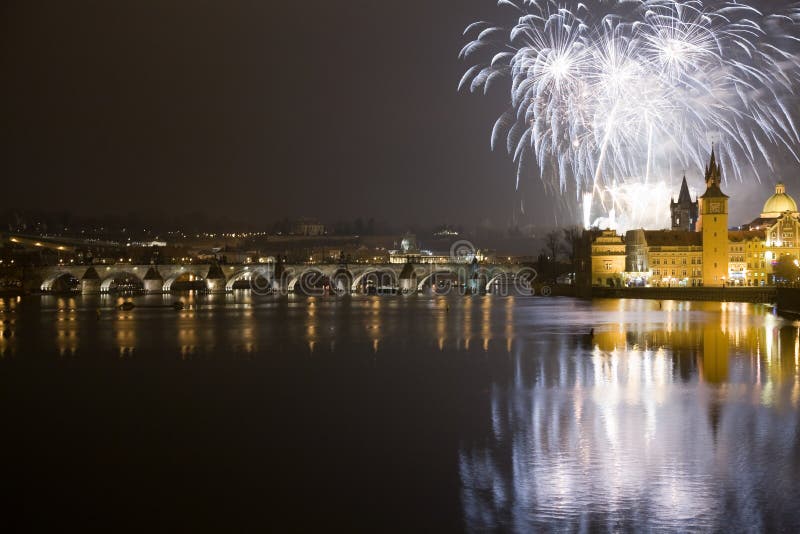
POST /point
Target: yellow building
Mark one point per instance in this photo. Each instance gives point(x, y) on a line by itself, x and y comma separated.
point(713, 223)
point(608, 259)
point(711, 256)
point(746, 262)
point(674, 257)
point(780, 224)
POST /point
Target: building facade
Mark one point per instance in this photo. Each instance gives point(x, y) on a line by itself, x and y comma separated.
point(608, 259)
point(713, 223)
point(700, 249)
point(684, 212)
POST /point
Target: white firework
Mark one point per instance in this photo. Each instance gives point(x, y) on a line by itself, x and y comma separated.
point(627, 91)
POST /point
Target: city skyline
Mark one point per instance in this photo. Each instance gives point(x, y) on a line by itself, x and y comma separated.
point(448, 266)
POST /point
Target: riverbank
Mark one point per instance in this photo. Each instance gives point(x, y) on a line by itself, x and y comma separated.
point(720, 294)
point(788, 301)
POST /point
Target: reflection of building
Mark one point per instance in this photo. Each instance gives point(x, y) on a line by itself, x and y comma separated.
point(714, 363)
point(700, 250)
point(720, 390)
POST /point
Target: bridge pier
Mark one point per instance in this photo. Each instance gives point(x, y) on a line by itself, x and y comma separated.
point(280, 282)
point(407, 282)
point(90, 282)
point(215, 280)
point(153, 282)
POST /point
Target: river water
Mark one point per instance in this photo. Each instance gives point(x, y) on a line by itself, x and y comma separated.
point(399, 413)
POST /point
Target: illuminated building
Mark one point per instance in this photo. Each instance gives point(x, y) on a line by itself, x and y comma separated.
point(683, 213)
point(608, 258)
point(713, 223)
point(308, 227)
point(409, 252)
point(702, 251)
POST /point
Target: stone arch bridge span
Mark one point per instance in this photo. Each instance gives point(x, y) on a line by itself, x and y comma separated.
point(298, 278)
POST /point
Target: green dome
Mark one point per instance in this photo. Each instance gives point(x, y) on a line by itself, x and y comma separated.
point(779, 203)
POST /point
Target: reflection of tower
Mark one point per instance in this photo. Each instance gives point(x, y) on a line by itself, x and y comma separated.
point(714, 363)
point(714, 369)
point(714, 224)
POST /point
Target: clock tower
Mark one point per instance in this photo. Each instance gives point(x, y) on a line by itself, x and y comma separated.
point(713, 223)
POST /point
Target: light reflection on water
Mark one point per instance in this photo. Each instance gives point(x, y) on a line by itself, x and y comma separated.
point(674, 415)
point(684, 418)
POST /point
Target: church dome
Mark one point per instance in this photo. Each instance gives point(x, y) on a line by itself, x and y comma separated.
point(779, 203)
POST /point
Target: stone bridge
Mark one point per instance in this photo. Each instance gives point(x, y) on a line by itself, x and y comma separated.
point(297, 278)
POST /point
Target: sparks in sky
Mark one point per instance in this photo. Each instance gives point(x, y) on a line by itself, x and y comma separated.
point(635, 91)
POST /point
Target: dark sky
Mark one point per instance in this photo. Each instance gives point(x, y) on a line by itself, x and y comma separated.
point(253, 110)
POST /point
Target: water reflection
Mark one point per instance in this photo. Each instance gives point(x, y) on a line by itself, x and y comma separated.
point(8, 307)
point(673, 415)
point(242, 323)
point(682, 417)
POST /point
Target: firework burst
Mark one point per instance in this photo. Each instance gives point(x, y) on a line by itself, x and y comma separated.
point(627, 91)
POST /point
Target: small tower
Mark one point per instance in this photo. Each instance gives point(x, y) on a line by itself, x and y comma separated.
point(684, 211)
point(714, 225)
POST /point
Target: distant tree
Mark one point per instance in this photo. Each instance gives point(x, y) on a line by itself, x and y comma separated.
point(572, 237)
point(552, 244)
point(786, 270)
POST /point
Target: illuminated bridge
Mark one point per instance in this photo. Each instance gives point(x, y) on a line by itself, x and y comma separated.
point(286, 278)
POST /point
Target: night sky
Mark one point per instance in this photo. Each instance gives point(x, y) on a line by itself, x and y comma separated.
point(255, 111)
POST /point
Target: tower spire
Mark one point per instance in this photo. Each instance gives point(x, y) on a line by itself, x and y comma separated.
point(713, 174)
point(684, 212)
point(684, 196)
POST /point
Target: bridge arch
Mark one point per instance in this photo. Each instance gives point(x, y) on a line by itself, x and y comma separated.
point(238, 276)
point(310, 281)
point(184, 276)
point(263, 275)
point(111, 281)
point(494, 282)
point(431, 277)
point(59, 281)
point(359, 278)
point(378, 279)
